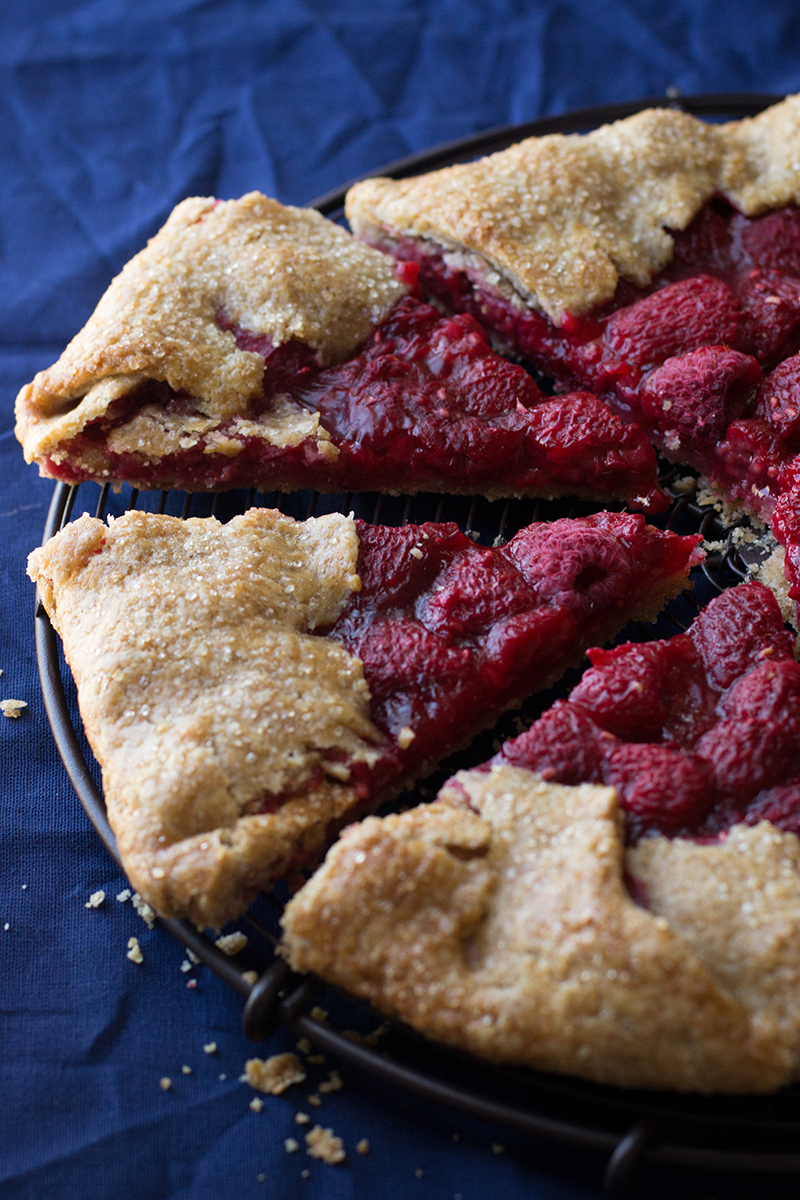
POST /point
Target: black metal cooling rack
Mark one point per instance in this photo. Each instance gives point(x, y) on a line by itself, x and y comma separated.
point(625, 1129)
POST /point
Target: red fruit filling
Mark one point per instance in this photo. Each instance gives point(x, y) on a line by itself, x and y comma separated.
point(695, 732)
point(451, 634)
point(425, 404)
point(682, 358)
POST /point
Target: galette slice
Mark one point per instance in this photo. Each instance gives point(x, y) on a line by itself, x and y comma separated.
point(249, 688)
point(617, 894)
point(497, 920)
point(654, 261)
point(257, 345)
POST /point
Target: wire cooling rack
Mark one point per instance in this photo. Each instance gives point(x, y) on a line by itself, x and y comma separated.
point(627, 1130)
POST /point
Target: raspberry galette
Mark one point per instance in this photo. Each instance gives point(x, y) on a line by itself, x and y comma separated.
point(616, 895)
point(654, 261)
point(257, 345)
point(249, 688)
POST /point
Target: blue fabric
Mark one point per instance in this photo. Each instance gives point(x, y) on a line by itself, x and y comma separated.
point(113, 110)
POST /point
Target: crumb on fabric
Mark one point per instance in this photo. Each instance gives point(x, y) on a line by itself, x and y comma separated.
point(186, 1070)
point(256, 1104)
point(210, 1048)
point(134, 951)
point(332, 1084)
point(315, 1100)
point(231, 943)
point(166, 1083)
point(186, 965)
point(274, 1075)
point(323, 1144)
point(419, 1172)
point(96, 899)
point(144, 910)
point(291, 1145)
point(12, 708)
point(302, 1118)
point(319, 1014)
point(250, 977)
point(363, 1146)
point(192, 983)
point(124, 895)
point(304, 1046)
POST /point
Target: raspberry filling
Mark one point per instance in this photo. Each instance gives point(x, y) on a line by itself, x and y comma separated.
point(697, 732)
point(426, 404)
point(705, 360)
point(451, 633)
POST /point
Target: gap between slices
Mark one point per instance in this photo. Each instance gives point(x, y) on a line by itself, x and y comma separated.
point(257, 345)
point(250, 688)
point(645, 933)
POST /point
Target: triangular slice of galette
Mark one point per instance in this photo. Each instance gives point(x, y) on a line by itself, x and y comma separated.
point(249, 688)
point(257, 345)
point(617, 894)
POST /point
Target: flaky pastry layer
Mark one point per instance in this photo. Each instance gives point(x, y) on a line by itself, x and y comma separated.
point(496, 920)
point(562, 218)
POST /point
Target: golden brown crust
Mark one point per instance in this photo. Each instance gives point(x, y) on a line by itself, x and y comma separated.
point(272, 270)
point(204, 692)
point(563, 218)
point(496, 920)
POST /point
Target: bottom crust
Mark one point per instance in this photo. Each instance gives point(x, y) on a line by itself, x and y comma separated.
point(498, 920)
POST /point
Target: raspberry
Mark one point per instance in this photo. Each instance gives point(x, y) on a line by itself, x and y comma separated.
point(770, 312)
point(747, 755)
point(770, 691)
point(390, 574)
point(682, 316)
point(771, 242)
point(400, 654)
point(778, 398)
point(739, 629)
point(624, 692)
point(564, 745)
point(698, 395)
point(475, 593)
point(659, 786)
point(780, 805)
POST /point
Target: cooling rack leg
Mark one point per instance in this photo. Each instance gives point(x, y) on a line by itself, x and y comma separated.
point(269, 1006)
point(628, 1157)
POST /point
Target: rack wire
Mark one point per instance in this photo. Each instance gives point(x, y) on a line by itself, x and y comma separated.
point(627, 1130)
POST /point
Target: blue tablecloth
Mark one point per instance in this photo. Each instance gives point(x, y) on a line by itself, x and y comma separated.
point(113, 111)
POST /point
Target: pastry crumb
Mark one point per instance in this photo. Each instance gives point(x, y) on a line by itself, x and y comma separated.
point(134, 951)
point(319, 1014)
point(315, 1100)
point(316, 1059)
point(231, 943)
point(186, 965)
point(373, 1038)
point(332, 1084)
point(291, 1145)
point(405, 737)
point(323, 1143)
point(250, 977)
point(144, 910)
point(12, 708)
point(363, 1146)
point(302, 1118)
point(124, 895)
point(166, 1083)
point(210, 1048)
point(186, 1070)
point(304, 1174)
point(304, 1046)
point(96, 899)
point(256, 1104)
point(274, 1075)
point(419, 1172)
